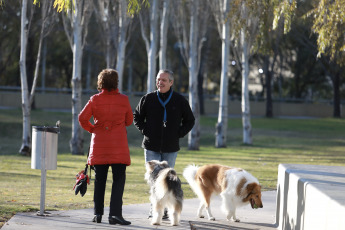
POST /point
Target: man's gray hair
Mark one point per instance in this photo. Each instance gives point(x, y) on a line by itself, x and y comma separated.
point(168, 71)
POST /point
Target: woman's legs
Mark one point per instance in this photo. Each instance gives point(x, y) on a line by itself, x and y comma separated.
point(101, 173)
point(119, 179)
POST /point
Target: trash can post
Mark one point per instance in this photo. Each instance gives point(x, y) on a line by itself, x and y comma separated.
point(43, 175)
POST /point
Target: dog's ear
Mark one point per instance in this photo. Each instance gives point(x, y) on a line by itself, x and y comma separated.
point(165, 164)
point(249, 190)
point(251, 187)
point(151, 164)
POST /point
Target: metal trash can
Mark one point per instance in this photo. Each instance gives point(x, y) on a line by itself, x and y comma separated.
point(44, 144)
point(44, 154)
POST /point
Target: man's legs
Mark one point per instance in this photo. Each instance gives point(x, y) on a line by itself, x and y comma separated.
point(169, 157)
point(151, 155)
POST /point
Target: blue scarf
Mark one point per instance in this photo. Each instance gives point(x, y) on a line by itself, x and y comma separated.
point(163, 104)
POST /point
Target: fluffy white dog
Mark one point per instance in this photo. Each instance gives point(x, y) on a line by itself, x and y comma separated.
point(165, 191)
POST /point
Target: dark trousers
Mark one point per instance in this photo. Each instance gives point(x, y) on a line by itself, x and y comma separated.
point(119, 179)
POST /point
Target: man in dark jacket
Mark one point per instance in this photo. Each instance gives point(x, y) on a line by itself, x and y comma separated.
point(163, 117)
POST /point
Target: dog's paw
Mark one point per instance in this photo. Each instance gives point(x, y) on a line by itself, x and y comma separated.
point(212, 218)
point(174, 224)
point(155, 223)
point(201, 216)
point(237, 220)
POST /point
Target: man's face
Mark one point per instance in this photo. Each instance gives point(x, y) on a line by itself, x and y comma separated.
point(163, 83)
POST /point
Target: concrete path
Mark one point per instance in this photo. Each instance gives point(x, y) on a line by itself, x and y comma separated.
point(81, 219)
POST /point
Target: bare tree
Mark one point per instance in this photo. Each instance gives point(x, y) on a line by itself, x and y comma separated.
point(48, 20)
point(26, 141)
point(115, 25)
point(245, 30)
point(163, 37)
point(150, 17)
point(192, 39)
point(75, 20)
point(123, 39)
point(107, 17)
point(220, 10)
point(28, 97)
point(245, 103)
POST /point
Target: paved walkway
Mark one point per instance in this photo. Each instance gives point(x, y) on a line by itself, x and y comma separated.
point(81, 219)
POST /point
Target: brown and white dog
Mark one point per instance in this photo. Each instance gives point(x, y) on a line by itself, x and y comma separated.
point(236, 186)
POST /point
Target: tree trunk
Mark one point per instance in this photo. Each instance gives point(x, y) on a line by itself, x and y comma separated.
point(164, 38)
point(151, 75)
point(43, 75)
point(194, 134)
point(247, 127)
point(121, 51)
point(25, 149)
point(76, 142)
point(38, 62)
point(222, 124)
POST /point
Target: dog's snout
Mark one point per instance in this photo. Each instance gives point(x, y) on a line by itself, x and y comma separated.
point(261, 206)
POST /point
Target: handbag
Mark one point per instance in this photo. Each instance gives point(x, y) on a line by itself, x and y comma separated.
point(82, 179)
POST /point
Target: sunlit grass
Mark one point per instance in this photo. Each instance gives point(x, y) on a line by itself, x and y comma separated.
point(275, 141)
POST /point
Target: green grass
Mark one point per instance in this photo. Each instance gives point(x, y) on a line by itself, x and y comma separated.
point(301, 141)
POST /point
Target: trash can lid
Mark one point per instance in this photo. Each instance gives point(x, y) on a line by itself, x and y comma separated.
point(51, 129)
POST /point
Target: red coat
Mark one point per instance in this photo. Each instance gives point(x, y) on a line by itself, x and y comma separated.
point(111, 113)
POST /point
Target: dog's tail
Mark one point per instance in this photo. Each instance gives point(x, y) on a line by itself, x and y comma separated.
point(189, 174)
point(166, 181)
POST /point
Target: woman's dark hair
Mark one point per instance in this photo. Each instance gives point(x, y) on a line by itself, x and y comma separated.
point(108, 79)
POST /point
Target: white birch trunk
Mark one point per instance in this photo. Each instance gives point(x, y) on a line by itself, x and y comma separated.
point(76, 142)
point(103, 15)
point(222, 124)
point(164, 38)
point(25, 149)
point(194, 134)
point(121, 51)
point(247, 127)
point(151, 55)
point(38, 61)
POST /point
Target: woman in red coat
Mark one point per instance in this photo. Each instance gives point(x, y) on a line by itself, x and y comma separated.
point(111, 114)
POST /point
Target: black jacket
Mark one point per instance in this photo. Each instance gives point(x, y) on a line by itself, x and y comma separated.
point(148, 118)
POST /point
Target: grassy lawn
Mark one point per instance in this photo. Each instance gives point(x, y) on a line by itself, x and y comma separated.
point(302, 141)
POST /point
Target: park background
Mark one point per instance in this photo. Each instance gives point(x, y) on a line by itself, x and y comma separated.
point(285, 78)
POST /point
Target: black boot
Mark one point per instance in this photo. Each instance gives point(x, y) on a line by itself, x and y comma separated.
point(165, 216)
point(97, 218)
point(118, 220)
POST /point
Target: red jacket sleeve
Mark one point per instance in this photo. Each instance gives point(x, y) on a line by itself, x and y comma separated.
point(84, 117)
